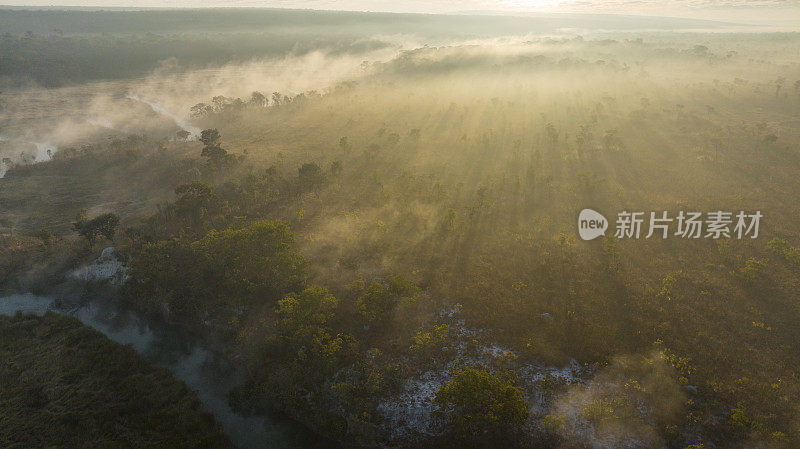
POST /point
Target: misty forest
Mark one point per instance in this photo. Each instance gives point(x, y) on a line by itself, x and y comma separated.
point(231, 228)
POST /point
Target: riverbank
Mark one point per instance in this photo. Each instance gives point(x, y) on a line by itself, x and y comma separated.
point(67, 385)
point(203, 370)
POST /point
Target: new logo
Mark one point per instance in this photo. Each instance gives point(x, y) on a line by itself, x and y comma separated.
point(591, 224)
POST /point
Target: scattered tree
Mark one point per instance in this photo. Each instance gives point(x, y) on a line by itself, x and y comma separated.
point(258, 99)
point(216, 156)
point(103, 225)
point(310, 176)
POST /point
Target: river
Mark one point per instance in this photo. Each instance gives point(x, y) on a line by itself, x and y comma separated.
point(202, 370)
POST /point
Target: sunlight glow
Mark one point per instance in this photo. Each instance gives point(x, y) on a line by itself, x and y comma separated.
point(530, 5)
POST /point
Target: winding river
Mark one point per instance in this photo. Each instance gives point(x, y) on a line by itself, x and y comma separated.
point(203, 371)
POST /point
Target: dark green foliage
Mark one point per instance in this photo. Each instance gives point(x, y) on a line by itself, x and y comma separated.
point(785, 250)
point(45, 236)
point(302, 312)
point(196, 203)
point(217, 158)
point(226, 272)
point(378, 299)
point(258, 261)
point(103, 225)
point(336, 168)
point(482, 406)
point(210, 138)
point(310, 176)
point(65, 385)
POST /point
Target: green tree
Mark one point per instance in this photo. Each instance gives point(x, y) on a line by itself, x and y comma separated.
point(306, 311)
point(481, 405)
point(336, 169)
point(277, 98)
point(196, 201)
point(45, 236)
point(753, 270)
point(224, 272)
point(310, 176)
point(210, 137)
point(378, 300)
point(258, 99)
point(345, 144)
point(785, 250)
point(103, 225)
point(216, 156)
point(252, 263)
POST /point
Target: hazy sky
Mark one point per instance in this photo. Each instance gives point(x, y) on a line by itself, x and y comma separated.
point(763, 11)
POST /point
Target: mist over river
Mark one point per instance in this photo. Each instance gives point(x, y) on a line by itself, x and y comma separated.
point(205, 372)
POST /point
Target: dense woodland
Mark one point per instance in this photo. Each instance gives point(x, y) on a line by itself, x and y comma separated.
point(65, 385)
point(418, 222)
